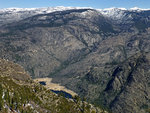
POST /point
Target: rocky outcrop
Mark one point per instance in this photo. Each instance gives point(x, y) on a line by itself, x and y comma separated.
point(14, 71)
point(127, 91)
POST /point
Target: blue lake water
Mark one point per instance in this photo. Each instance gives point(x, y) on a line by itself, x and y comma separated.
point(63, 93)
point(42, 83)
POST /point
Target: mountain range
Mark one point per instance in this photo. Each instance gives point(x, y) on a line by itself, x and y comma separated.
point(102, 55)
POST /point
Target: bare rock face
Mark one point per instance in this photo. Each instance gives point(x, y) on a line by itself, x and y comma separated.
point(128, 87)
point(102, 58)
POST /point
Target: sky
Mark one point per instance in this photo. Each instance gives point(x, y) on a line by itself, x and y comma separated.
point(100, 4)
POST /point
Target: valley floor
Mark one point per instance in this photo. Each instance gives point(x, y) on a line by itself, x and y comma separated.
point(54, 86)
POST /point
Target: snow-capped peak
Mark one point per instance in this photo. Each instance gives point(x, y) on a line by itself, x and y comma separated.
point(9, 15)
point(14, 9)
point(113, 8)
point(119, 13)
point(114, 13)
point(138, 9)
point(40, 10)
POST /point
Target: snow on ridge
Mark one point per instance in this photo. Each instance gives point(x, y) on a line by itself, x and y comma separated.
point(114, 13)
point(14, 9)
point(9, 15)
point(40, 10)
point(112, 8)
point(119, 13)
point(123, 9)
point(138, 9)
point(20, 13)
point(61, 8)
